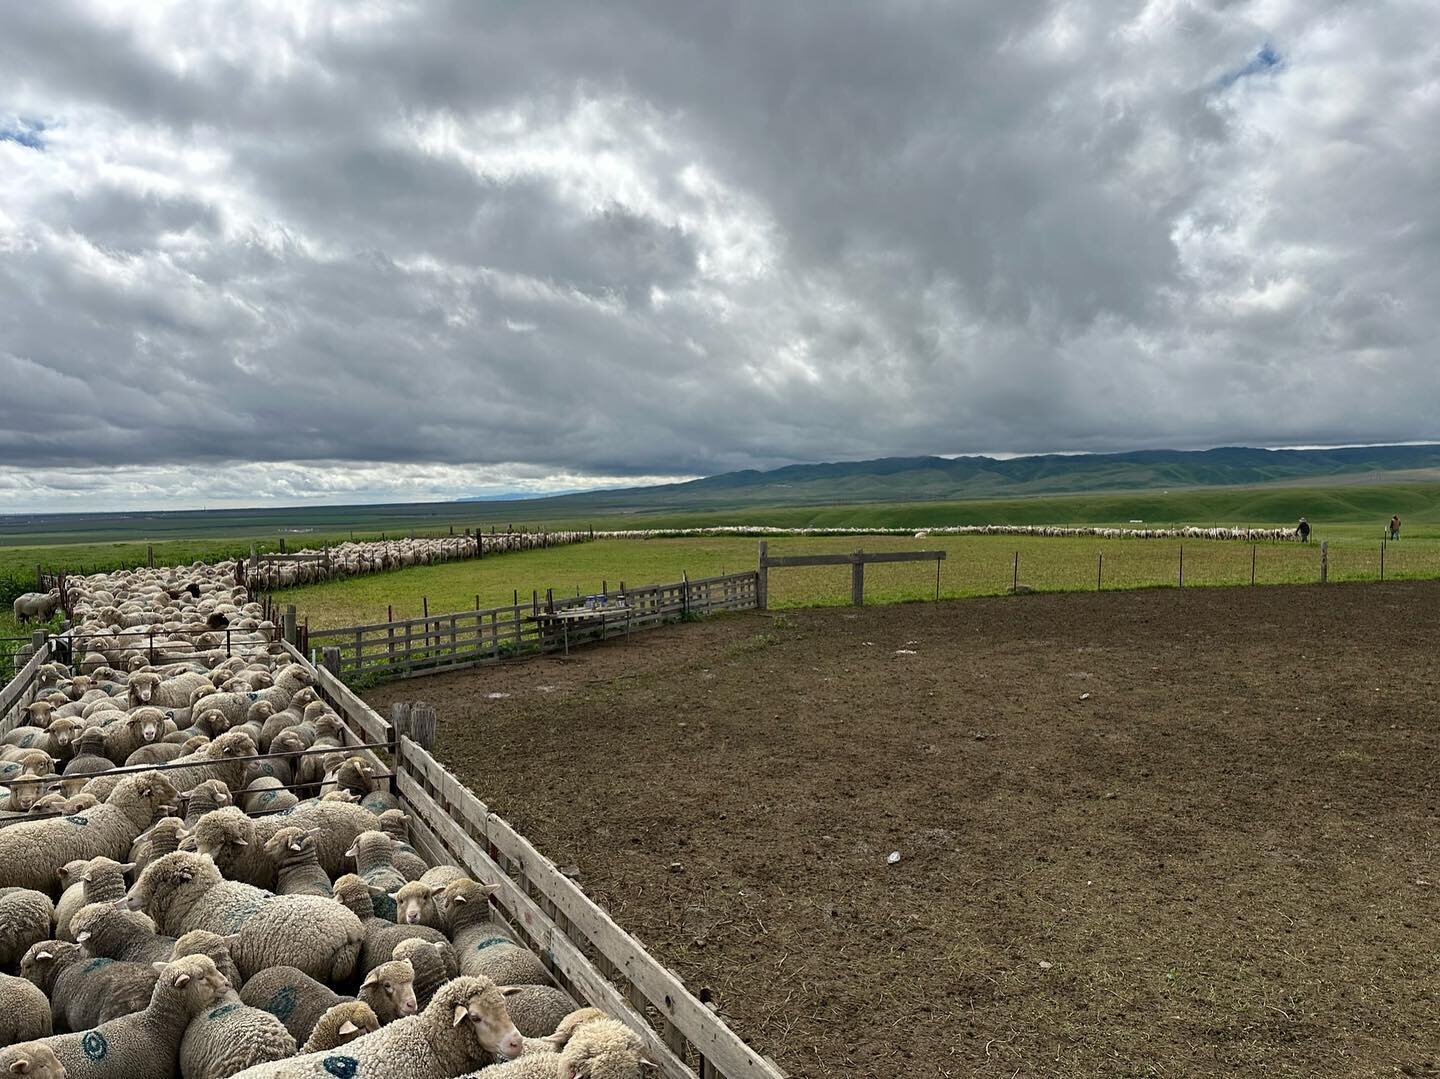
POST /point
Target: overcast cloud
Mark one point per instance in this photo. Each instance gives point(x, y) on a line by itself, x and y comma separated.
point(420, 249)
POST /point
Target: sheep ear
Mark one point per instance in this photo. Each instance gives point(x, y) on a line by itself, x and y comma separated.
point(181, 981)
point(459, 899)
point(436, 890)
point(373, 978)
point(237, 841)
point(186, 874)
point(394, 895)
point(127, 867)
point(510, 990)
point(648, 1065)
point(20, 1067)
point(353, 851)
point(348, 1027)
point(44, 955)
point(461, 1012)
point(294, 844)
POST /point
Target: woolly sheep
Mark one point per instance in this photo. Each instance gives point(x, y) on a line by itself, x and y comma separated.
point(484, 948)
point(341, 1025)
point(414, 905)
point(266, 794)
point(374, 854)
point(389, 990)
point(204, 798)
point(184, 891)
point(433, 962)
point(338, 825)
point(32, 1060)
point(230, 1037)
point(297, 870)
point(38, 605)
point(464, 1028)
point(107, 933)
point(293, 997)
point(159, 840)
point(216, 761)
point(381, 934)
point(591, 1046)
point(24, 1011)
point(538, 1009)
point(33, 852)
point(25, 918)
point(203, 942)
point(98, 880)
point(228, 836)
point(146, 1043)
point(84, 991)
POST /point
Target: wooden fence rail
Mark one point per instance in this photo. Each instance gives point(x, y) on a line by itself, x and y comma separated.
point(439, 642)
point(17, 693)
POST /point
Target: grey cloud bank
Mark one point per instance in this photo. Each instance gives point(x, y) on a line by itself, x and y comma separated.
point(465, 246)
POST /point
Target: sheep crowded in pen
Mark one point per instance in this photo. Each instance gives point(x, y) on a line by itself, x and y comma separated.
point(237, 889)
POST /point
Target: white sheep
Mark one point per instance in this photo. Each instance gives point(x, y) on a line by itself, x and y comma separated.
point(465, 1027)
point(184, 891)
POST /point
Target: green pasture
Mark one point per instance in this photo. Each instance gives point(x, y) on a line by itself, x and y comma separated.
point(974, 566)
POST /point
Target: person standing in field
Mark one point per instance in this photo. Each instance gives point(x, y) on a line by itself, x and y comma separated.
point(1303, 530)
point(1395, 527)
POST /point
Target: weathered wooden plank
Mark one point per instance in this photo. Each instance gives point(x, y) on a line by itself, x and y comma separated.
point(866, 557)
point(14, 692)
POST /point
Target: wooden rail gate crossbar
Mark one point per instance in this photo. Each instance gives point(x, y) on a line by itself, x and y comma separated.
point(587, 953)
point(856, 560)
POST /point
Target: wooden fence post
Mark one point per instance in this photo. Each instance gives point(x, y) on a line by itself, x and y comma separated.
point(150, 555)
point(282, 544)
point(1324, 561)
point(857, 579)
point(1252, 565)
point(1015, 581)
point(762, 583)
point(1182, 565)
point(1382, 559)
point(331, 660)
point(422, 724)
point(39, 577)
point(1099, 570)
point(684, 595)
point(289, 623)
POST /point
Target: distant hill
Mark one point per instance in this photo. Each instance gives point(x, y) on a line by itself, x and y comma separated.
point(927, 479)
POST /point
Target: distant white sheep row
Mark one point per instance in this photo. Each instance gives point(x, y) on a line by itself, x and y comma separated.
point(1248, 535)
point(353, 559)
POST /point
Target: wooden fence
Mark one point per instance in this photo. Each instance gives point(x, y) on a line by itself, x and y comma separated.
point(19, 691)
point(439, 642)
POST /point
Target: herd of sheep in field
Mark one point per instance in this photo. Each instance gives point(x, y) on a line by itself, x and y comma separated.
point(197, 879)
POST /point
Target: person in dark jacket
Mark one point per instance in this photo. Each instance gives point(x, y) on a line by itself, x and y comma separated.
point(1395, 527)
point(1303, 531)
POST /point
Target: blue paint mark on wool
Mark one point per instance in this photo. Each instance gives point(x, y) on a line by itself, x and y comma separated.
point(490, 942)
point(341, 1067)
point(222, 1011)
point(96, 964)
point(282, 1004)
point(83, 822)
point(384, 907)
point(94, 1045)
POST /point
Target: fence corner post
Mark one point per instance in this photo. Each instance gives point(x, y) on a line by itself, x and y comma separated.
point(1324, 561)
point(330, 660)
point(762, 582)
point(289, 623)
point(857, 578)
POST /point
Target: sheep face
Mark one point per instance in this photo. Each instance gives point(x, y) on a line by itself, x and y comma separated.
point(165, 878)
point(396, 982)
point(143, 686)
point(411, 903)
point(32, 1060)
point(481, 1003)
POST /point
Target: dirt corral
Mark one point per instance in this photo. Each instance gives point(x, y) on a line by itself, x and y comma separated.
point(1154, 833)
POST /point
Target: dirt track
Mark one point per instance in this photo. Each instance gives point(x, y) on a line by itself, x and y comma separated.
point(1224, 861)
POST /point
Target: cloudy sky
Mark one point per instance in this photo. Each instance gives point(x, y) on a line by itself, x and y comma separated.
point(398, 249)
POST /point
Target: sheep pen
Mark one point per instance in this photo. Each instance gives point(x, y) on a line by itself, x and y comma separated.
point(246, 714)
point(1180, 833)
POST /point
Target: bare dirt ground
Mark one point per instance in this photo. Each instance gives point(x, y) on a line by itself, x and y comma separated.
point(1151, 833)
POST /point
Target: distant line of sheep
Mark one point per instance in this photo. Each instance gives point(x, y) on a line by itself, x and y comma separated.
point(353, 559)
point(1248, 535)
point(151, 927)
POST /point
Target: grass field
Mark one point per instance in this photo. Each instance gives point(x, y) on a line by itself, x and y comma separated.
point(975, 565)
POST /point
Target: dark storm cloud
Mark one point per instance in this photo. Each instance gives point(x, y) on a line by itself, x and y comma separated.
point(657, 239)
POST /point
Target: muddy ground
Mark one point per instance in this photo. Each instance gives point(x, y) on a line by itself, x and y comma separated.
point(1151, 833)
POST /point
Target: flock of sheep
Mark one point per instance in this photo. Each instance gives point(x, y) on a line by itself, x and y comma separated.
point(1249, 535)
point(197, 880)
point(356, 558)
